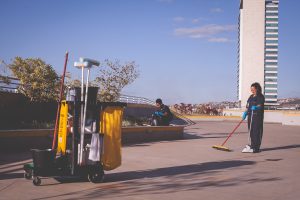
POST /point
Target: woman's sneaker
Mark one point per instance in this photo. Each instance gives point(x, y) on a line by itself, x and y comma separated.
point(247, 149)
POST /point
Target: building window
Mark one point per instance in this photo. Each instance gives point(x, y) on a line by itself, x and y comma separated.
point(271, 96)
point(271, 25)
point(271, 2)
point(270, 69)
point(271, 57)
point(271, 74)
point(271, 19)
point(270, 80)
point(271, 30)
point(270, 86)
point(272, 41)
point(271, 63)
point(271, 52)
point(272, 47)
point(272, 8)
point(270, 91)
point(271, 36)
point(271, 14)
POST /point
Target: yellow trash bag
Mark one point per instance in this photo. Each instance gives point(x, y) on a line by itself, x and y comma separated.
point(111, 125)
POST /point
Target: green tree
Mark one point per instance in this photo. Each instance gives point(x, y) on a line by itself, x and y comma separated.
point(71, 83)
point(38, 80)
point(113, 76)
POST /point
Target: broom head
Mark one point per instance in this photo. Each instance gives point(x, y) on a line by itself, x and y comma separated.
point(222, 148)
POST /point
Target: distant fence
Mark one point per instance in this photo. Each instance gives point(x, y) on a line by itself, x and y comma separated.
point(9, 84)
point(135, 100)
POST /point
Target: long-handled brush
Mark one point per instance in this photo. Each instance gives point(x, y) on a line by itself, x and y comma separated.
point(222, 147)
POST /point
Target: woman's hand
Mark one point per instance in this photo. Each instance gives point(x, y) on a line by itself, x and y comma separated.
point(244, 116)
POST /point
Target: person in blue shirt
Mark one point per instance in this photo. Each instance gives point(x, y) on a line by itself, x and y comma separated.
point(255, 114)
point(162, 116)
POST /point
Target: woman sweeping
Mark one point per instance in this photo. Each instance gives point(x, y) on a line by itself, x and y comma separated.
point(255, 113)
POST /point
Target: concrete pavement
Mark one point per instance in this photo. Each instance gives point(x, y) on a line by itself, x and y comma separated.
point(181, 169)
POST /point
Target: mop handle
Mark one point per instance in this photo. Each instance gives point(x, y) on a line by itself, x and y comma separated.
point(81, 115)
point(232, 132)
point(249, 137)
point(60, 98)
point(84, 116)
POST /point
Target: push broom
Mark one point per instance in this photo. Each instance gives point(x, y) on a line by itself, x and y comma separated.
point(222, 147)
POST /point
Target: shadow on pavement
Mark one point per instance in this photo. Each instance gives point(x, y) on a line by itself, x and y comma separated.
point(177, 170)
point(281, 147)
point(12, 163)
point(186, 136)
point(11, 157)
point(195, 135)
point(167, 180)
point(5, 176)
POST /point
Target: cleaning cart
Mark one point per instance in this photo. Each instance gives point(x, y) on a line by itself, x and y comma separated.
point(89, 137)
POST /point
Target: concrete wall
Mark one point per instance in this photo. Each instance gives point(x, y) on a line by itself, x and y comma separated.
point(291, 119)
point(139, 110)
point(23, 140)
point(283, 117)
point(146, 111)
point(131, 135)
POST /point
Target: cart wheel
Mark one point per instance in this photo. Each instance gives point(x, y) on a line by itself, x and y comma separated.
point(28, 174)
point(96, 177)
point(36, 181)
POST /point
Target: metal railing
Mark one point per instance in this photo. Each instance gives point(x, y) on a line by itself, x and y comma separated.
point(9, 84)
point(136, 100)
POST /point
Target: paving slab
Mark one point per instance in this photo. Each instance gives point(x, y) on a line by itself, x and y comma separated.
point(180, 169)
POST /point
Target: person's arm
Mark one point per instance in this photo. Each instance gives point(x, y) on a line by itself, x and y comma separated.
point(245, 113)
point(166, 111)
point(159, 113)
point(257, 107)
point(244, 116)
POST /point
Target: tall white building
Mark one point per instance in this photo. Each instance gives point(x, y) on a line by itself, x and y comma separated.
point(258, 49)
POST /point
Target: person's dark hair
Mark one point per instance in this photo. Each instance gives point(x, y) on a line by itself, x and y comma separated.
point(159, 101)
point(257, 87)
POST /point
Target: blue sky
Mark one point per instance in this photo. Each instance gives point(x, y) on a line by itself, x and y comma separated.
point(186, 49)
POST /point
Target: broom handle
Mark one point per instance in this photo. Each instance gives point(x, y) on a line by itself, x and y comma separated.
point(232, 132)
point(59, 102)
point(249, 137)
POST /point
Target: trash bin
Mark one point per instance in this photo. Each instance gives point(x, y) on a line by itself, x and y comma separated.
point(43, 161)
